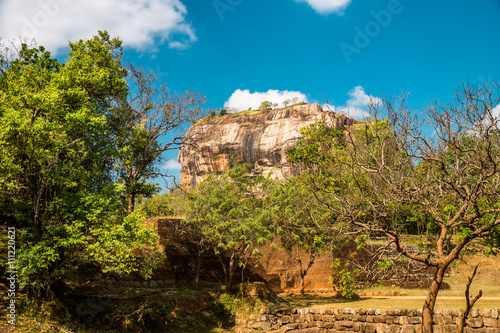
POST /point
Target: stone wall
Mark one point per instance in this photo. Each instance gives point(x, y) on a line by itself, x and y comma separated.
point(364, 320)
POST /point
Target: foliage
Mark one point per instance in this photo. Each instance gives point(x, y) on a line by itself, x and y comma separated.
point(319, 147)
point(265, 105)
point(157, 206)
point(57, 165)
point(385, 265)
point(232, 303)
point(300, 225)
point(344, 279)
point(225, 209)
point(171, 203)
point(294, 220)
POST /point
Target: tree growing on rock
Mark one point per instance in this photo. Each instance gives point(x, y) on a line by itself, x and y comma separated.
point(264, 106)
point(440, 164)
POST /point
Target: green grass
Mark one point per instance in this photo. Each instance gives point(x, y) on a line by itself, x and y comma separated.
point(486, 279)
point(245, 113)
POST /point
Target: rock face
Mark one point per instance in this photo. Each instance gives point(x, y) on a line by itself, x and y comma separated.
point(258, 138)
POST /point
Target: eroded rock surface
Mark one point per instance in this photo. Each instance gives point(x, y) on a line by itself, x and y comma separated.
point(261, 139)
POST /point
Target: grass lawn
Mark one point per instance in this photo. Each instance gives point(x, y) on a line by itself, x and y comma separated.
point(322, 302)
point(487, 280)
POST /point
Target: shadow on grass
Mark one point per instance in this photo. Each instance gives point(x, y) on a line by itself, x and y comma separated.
point(185, 309)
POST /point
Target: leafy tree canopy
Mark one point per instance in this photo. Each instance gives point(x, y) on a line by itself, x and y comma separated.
point(226, 210)
point(58, 180)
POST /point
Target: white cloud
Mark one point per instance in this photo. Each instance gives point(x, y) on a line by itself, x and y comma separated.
point(496, 111)
point(328, 107)
point(172, 165)
point(327, 6)
point(357, 105)
point(244, 99)
point(141, 24)
point(495, 118)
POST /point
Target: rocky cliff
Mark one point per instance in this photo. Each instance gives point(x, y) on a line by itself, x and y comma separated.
point(259, 138)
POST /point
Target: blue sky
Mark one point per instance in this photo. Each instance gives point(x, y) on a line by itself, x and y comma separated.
point(341, 51)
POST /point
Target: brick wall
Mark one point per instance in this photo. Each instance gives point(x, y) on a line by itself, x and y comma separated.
point(364, 320)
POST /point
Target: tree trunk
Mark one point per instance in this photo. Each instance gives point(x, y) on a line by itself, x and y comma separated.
point(302, 282)
point(229, 284)
point(224, 268)
point(198, 270)
point(37, 220)
point(469, 302)
point(430, 301)
point(131, 202)
point(303, 271)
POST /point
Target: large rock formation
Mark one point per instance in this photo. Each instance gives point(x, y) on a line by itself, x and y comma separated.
point(259, 138)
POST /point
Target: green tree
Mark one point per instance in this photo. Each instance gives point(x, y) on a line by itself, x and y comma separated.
point(225, 209)
point(170, 203)
point(195, 226)
point(300, 224)
point(265, 105)
point(56, 165)
point(449, 178)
